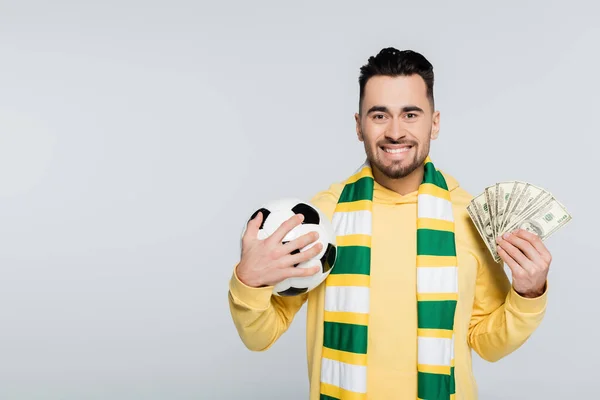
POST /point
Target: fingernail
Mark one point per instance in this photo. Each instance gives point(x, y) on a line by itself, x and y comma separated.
point(506, 235)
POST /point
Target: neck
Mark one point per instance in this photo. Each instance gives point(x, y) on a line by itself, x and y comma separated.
point(403, 186)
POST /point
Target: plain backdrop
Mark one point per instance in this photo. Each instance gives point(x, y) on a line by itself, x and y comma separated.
point(136, 137)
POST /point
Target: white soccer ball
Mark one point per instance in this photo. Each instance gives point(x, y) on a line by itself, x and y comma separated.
point(277, 212)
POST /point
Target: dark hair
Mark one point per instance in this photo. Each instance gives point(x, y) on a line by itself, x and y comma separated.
point(393, 62)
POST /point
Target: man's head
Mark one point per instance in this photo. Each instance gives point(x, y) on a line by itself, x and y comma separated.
point(397, 117)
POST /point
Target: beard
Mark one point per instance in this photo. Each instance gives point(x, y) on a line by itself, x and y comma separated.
point(397, 169)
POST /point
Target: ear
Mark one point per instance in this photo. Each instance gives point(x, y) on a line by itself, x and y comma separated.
point(358, 130)
point(435, 125)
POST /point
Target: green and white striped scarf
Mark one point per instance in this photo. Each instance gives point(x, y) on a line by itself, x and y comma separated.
point(346, 324)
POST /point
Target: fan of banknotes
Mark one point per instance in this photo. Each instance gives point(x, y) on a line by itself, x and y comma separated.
point(511, 205)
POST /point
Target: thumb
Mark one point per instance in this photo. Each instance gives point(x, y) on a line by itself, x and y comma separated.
point(253, 227)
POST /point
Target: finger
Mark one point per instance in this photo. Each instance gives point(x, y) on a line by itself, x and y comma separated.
point(515, 268)
point(279, 275)
point(299, 243)
point(292, 272)
point(515, 254)
point(285, 228)
point(253, 227)
point(525, 246)
point(302, 256)
point(276, 276)
point(536, 242)
point(298, 257)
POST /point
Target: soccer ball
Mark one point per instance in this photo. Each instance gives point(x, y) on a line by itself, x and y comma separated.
point(277, 212)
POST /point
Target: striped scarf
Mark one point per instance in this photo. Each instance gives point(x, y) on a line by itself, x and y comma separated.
point(345, 354)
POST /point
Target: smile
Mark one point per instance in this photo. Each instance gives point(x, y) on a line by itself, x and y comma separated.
point(396, 150)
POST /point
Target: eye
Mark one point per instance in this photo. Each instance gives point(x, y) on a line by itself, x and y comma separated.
point(378, 117)
point(411, 115)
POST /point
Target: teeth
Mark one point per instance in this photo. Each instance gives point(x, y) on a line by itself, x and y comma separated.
point(401, 150)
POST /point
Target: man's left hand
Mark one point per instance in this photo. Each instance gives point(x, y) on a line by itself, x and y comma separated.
point(528, 259)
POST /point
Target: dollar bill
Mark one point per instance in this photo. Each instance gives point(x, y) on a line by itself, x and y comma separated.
point(481, 207)
point(529, 197)
point(480, 210)
point(481, 228)
point(490, 197)
point(510, 205)
point(503, 194)
point(543, 220)
point(513, 197)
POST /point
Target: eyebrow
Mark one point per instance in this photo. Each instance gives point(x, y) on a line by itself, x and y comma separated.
point(386, 110)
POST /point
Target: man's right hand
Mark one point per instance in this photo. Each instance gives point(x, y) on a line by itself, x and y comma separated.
point(269, 261)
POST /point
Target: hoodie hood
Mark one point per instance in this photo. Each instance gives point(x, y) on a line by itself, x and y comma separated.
point(384, 195)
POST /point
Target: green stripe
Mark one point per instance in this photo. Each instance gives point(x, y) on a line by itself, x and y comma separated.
point(325, 397)
point(352, 260)
point(431, 175)
point(435, 386)
point(437, 314)
point(345, 337)
point(362, 189)
point(431, 242)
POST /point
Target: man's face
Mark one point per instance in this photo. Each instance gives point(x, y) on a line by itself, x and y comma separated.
point(396, 124)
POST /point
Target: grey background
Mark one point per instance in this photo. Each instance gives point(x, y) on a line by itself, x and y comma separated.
point(137, 137)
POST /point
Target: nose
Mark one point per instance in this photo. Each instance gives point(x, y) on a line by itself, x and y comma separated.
point(395, 130)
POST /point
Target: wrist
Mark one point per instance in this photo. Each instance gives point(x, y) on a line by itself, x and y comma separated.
point(532, 293)
point(248, 281)
point(250, 297)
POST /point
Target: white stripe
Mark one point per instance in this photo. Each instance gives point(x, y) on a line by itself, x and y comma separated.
point(347, 376)
point(435, 351)
point(434, 207)
point(347, 298)
point(437, 280)
point(352, 223)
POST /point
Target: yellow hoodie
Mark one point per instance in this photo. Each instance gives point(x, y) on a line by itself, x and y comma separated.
point(491, 318)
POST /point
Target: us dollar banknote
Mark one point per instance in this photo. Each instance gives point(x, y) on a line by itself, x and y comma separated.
point(483, 231)
point(511, 205)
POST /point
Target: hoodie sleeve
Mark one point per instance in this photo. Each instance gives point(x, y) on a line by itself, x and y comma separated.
point(260, 317)
point(501, 320)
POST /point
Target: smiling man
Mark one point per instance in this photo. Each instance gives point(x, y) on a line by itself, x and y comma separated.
point(414, 289)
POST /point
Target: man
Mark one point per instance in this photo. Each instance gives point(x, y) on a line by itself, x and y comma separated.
point(414, 288)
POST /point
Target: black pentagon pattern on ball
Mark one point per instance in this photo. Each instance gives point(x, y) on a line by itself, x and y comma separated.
point(328, 259)
point(265, 214)
point(293, 252)
point(311, 216)
point(292, 291)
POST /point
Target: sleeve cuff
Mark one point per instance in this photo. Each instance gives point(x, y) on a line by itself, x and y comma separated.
point(255, 298)
point(528, 305)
